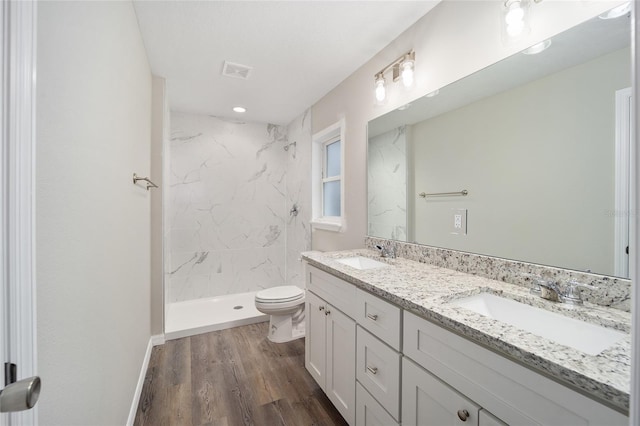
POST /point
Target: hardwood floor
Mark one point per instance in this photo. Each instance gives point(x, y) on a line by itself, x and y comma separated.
point(232, 377)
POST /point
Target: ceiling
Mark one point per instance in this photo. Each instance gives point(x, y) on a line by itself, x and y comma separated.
point(298, 50)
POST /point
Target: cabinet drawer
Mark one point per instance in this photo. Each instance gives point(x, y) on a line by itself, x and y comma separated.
point(335, 291)
point(369, 412)
point(378, 371)
point(428, 401)
point(380, 317)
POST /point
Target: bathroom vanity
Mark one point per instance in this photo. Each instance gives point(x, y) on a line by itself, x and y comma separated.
point(390, 343)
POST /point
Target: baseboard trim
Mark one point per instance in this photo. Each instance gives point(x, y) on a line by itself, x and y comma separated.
point(155, 340)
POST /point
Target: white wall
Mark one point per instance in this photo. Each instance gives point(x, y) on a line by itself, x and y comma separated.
point(92, 223)
point(455, 39)
point(159, 126)
point(538, 162)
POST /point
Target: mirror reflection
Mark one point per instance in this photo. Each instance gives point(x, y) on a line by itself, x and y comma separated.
point(539, 141)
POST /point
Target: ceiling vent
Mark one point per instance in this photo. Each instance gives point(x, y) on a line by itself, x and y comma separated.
point(234, 70)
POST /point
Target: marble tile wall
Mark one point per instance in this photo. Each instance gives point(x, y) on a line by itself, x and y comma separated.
point(387, 171)
point(298, 194)
point(605, 290)
point(227, 209)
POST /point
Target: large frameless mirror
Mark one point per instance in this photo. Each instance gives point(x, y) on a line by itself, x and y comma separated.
point(539, 142)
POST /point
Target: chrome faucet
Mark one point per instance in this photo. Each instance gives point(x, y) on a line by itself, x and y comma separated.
point(573, 295)
point(387, 250)
point(551, 291)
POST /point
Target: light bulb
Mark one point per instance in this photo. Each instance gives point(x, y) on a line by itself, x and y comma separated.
point(515, 29)
point(514, 17)
point(515, 14)
point(381, 92)
point(407, 73)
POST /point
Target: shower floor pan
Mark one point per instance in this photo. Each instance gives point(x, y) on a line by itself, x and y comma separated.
point(211, 314)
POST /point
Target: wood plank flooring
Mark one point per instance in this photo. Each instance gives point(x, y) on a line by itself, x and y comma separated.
point(232, 377)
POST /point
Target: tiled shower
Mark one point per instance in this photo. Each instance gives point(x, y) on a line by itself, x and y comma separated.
point(228, 221)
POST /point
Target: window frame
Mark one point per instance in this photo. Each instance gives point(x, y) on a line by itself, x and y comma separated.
point(320, 141)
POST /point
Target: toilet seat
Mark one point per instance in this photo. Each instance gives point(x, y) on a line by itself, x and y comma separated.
point(281, 295)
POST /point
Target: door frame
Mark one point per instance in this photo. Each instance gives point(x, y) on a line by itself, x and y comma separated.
point(634, 259)
point(622, 211)
point(17, 161)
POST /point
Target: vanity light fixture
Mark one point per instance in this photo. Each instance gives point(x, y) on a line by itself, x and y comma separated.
point(538, 48)
point(239, 109)
point(617, 11)
point(403, 68)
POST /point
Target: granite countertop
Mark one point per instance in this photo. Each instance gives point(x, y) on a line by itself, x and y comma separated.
point(427, 290)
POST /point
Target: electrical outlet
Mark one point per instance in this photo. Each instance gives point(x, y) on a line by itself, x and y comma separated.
point(459, 221)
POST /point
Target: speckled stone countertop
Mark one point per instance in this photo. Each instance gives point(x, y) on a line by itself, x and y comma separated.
point(428, 290)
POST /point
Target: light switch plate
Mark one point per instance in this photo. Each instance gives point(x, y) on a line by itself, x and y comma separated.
point(459, 221)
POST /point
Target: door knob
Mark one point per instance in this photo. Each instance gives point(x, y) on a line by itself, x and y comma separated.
point(21, 395)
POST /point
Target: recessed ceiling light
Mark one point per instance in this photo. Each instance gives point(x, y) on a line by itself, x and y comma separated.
point(617, 11)
point(537, 48)
point(239, 109)
point(434, 93)
point(404, 107)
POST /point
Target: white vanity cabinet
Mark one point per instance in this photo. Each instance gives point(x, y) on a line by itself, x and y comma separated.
point(381, 365)
point(330, 344)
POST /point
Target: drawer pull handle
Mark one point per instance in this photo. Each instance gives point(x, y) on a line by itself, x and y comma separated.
point(374, 371)
point(327, 312)
point(372, 317)
point(463, 415)
point(321, 308)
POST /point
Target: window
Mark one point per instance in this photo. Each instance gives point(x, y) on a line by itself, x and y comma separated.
point(331, 178)
point(327, 172)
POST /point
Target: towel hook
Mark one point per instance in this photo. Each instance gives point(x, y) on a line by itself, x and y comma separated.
point(146, 179)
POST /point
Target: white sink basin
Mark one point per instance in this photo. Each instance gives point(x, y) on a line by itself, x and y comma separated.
point(360, 262)
point(583, 336)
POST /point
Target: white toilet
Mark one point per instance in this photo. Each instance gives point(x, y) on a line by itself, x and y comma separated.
point(285, 304)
